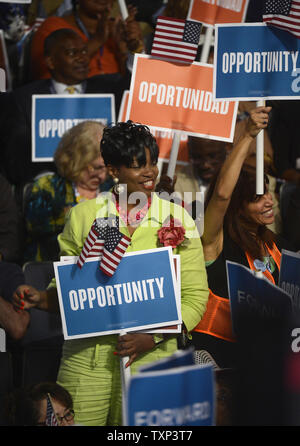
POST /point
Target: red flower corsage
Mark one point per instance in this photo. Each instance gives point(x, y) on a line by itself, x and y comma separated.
point(171, 233)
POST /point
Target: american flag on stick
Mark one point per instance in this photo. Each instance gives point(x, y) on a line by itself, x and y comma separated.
point(51, 419)
point(176, 39)
point(94, 243)
point(284, 14)
point(115, 247)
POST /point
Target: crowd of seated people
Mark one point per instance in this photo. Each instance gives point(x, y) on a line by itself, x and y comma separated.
point(87, 45)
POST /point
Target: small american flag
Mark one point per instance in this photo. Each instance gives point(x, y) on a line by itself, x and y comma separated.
point(176, 39)
point(115, 247)
point(51, 419)
point(94, 243)
point(284, 14)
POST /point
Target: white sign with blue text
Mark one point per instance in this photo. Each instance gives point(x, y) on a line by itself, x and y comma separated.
point(53, 115)
point(254, 298)
point(255, 61)
point(156, 398)
point(142, 294)
point(289, 276)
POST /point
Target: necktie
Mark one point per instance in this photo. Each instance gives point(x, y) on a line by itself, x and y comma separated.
point(71, 89)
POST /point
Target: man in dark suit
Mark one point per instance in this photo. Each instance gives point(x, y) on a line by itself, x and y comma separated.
point(67, 59)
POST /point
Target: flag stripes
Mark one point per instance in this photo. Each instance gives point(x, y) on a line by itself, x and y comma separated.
point(106, 241)
point(176, 39)
point(92, 246)
point(112, 257)
point(284, 14)
point(51, 419)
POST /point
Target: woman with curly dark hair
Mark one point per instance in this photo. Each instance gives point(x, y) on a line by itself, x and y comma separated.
point(90, 367)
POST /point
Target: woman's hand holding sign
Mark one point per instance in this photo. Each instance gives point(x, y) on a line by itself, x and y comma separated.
point(258, 119)
point(133, 345)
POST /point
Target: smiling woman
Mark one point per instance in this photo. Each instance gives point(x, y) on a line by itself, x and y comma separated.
point(138, 178)
point(90, 367)
point(259, 209)
point(133, 164)
point(235, 229)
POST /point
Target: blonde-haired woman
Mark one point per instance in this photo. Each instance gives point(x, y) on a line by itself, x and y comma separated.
point(81, 175)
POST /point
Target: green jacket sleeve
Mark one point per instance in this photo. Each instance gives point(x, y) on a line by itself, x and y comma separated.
point(194, 287)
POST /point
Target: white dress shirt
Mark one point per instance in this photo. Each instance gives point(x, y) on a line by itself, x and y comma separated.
point(62, 88)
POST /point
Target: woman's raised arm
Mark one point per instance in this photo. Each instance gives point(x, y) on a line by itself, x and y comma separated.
point(212, 238)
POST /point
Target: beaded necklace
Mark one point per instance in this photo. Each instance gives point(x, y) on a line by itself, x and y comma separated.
point(130, 218)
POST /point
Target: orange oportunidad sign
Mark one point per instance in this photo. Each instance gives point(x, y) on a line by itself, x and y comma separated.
point(166, 95)
point(210, 12)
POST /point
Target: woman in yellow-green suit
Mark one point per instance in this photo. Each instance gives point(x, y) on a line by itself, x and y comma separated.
point(90, 367)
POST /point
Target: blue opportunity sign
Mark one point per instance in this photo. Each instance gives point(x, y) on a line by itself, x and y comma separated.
point(142, 294)
point(255, 61)
point(53, 115)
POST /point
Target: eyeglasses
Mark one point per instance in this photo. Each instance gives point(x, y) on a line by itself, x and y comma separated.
point(68, 416)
